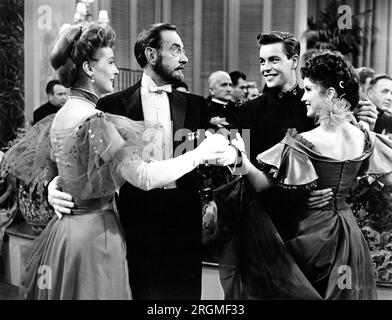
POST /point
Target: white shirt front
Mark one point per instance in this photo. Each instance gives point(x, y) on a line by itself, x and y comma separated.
point(156, 108)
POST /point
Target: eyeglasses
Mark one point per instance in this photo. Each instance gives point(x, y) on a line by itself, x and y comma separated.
point(177, 50)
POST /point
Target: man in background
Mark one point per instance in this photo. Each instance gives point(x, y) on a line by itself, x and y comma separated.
point(221, 110)
point(57, 96)
point(253, 91)
point(239, 91)
point(380, 93)
point(365, 76)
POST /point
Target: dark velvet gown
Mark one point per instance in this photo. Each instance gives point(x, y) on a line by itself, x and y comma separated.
point(327, 257)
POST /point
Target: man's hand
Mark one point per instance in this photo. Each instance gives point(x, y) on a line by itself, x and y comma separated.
point(319, 198)
point(219, 122)
point(60, 201)
point(367, 112)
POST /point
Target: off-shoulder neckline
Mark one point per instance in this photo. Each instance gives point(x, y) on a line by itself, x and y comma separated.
point(293, 133)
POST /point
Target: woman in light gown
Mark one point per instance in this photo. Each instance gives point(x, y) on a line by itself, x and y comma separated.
point(83, 255)
point(327, 256)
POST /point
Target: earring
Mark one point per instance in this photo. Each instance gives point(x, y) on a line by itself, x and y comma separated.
point(92, 78)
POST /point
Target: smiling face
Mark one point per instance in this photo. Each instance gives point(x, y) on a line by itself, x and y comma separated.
point(314, 97)
point(171, 58)
point(275, 67)
point(104, 71)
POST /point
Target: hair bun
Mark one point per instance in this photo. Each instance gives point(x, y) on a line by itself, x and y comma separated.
point(63, 47)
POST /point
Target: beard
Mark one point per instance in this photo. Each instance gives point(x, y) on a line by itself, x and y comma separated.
point(166, 74)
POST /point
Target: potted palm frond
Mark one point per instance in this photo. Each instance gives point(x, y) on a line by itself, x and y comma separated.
point(324, 31)
point(11, 69)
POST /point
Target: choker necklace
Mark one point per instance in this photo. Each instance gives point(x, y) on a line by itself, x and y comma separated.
point(89, 92)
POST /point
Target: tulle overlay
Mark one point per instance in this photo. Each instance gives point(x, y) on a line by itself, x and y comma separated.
point(29, 160)
point(110, 142)
point(85, 252)
point(328, 257)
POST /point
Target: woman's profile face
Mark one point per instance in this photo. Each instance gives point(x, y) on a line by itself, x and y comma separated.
point(104, 71)
point(313, 97)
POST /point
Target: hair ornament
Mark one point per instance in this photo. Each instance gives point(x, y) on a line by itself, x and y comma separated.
point(334, 113)
point(341, 84)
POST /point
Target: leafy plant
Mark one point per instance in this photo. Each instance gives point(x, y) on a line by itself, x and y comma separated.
point(371, 203)
point(11, 69)
point(324, 33)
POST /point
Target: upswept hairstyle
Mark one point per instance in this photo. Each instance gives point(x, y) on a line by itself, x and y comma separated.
point(77, 44)
point(150, 37)
point(330, 69)
point(290, 43)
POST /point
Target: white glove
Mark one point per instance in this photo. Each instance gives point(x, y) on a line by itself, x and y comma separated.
point(211, 148)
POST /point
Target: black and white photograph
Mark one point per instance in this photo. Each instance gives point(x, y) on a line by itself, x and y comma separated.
point(206, 152)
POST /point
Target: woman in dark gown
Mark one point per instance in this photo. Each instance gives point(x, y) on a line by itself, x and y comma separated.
point(327, 257)
point(83, 255)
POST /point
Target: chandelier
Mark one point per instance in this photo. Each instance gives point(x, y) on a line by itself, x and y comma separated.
point(83, 12)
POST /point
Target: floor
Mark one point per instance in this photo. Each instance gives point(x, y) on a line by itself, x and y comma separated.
point(211, 288)
point(8, 291)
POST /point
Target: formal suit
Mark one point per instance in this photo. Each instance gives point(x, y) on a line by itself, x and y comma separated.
point(43, 111)
point(268, 117)
point(162, 227)
point(229, 111)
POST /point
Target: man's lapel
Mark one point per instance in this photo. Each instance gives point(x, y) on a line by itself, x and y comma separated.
point(133, 104)
point(178, 105)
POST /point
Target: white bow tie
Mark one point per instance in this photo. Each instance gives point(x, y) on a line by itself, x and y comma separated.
point(156, 89)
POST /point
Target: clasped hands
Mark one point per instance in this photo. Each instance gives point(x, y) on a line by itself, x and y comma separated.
point(215, 149)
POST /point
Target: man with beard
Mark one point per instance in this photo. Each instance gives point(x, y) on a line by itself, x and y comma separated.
point(162, 226)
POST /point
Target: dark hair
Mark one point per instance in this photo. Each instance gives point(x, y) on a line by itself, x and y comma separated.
point(379, 77)
point(290, 43)
point(150, 37)
point(330, 69)
point(50, 85)
point(308, 53)
point(365, 73)
point(235, 76)
point(180, 84)
point(77, 44)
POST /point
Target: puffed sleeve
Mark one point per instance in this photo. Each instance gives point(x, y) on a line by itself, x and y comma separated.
point(119, 150)
point(29, 159)
point(380, 161)
point(287, 167)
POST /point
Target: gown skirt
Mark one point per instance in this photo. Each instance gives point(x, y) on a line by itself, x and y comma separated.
point(80, 256)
